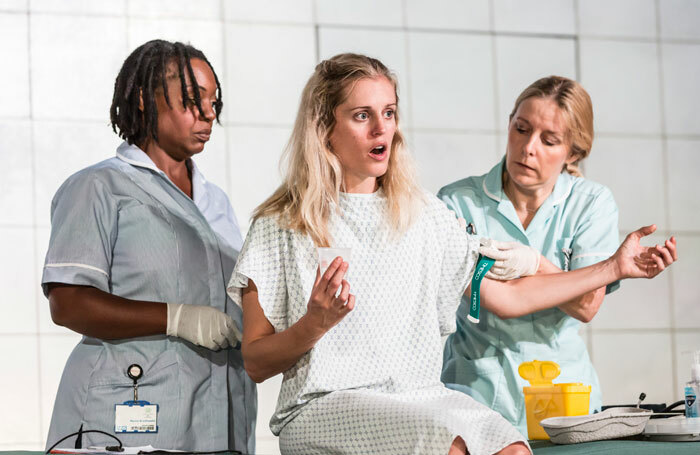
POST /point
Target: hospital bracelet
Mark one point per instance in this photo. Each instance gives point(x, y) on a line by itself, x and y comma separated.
point(483, 265)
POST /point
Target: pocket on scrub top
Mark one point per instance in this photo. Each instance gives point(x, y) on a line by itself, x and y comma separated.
point(483, 376)
point(158, 385)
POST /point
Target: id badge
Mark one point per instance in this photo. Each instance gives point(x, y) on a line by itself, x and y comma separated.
point(136, 417)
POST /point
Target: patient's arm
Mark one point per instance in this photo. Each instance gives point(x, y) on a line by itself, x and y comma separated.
point(267, 353)
point(583, 307)
point(526, 295)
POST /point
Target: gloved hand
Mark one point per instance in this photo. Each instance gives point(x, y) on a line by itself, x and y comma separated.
point(203, 326)
point(513, 259)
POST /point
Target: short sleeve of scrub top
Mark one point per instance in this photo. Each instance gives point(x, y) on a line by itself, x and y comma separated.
point(597, 236)
point(82, 235)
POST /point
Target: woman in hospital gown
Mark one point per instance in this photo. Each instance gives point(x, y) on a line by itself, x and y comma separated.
point(362, 368)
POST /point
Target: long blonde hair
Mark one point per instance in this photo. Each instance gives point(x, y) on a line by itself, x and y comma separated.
point(314, 175)
point(577, 109)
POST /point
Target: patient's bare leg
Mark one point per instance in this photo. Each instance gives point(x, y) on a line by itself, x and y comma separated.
point(458, 447)
point(517, 448)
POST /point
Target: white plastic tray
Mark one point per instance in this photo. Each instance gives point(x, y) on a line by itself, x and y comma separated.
point(673, 429)
point(610, 424)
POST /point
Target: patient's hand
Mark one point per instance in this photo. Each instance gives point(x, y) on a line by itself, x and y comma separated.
point(636, 261)
point(324, 309)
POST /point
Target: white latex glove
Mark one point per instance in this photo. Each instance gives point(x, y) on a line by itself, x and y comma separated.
point(202, 325)
point(513, 259)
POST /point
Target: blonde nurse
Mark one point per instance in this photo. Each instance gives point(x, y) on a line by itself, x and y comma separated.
point(548, 219)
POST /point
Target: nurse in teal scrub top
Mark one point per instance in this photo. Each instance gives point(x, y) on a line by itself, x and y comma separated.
point(537, 197)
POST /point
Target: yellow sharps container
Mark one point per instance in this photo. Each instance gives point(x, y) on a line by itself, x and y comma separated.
point(544, 399)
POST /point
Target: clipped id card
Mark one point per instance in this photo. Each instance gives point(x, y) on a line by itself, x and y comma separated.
point(136, 417)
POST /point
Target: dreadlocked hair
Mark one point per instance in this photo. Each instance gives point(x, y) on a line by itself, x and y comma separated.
point(144, 72)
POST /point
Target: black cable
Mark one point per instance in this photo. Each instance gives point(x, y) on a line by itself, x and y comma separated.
point(116, 448)
point(120, 448)
point(673, 405)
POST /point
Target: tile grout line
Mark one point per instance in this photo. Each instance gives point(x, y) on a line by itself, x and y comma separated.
point(227, 139)
point(577, 74)
point(666, 194)
point(520, 34)
point(317, 30)
point(497, 131)
point(35, 235)
point(317, 43)
point(409, 78)
point(495, 79)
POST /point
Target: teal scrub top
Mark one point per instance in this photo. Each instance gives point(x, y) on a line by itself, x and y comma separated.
point(576, 226)
point(123, 227)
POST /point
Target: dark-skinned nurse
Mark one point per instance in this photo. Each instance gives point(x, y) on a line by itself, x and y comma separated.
point(141, 247)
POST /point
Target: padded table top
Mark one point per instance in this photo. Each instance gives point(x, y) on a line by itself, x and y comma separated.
point(617, 447)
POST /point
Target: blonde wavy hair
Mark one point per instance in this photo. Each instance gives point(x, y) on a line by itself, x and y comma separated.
point(576, 108)
point(314, 175)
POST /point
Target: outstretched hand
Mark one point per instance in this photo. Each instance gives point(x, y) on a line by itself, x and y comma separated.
point(636, 261)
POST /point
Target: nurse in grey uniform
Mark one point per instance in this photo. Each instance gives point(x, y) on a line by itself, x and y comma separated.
point(141, 248)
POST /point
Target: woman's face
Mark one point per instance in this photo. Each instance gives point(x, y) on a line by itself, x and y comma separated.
point(182, 132)
point(363, 133)
point(538, 146)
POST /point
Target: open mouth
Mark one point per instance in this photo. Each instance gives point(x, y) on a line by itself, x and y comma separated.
point(378, 150)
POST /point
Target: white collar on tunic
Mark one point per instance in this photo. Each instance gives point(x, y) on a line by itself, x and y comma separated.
point(134, 156)
point(493, 185)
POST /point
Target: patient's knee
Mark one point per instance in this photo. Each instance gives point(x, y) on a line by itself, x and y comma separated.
point(458, 447)
point(517, 448)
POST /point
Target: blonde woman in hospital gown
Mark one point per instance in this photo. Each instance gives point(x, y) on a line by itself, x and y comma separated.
point(360, 343)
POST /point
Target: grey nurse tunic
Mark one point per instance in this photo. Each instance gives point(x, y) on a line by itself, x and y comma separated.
point(123, 227)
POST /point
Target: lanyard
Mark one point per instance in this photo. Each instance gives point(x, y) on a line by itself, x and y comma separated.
point(482, 266)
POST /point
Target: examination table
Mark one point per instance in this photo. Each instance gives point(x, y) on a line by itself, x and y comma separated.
point(636, 446)
point(616, 447)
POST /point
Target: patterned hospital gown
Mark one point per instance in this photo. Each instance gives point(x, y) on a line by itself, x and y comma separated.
point(371, 385)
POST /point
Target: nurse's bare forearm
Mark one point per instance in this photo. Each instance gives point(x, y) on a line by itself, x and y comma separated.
point(583, 307)
point(509, 299)
point(95, 313)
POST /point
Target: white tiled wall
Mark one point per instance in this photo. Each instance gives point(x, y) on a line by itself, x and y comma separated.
point(451, 80)
point(622, 78)
point(460, 65)
point(641, 24)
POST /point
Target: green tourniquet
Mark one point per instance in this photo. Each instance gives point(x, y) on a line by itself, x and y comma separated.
point(483, 265)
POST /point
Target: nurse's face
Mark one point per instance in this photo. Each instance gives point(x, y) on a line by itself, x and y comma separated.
point(363, 133)
point(183, 131)
point(538, 146)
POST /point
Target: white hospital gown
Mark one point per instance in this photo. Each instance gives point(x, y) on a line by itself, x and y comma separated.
point(372, 383)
